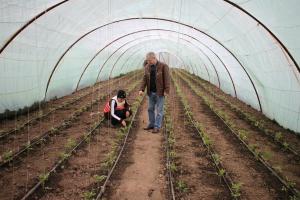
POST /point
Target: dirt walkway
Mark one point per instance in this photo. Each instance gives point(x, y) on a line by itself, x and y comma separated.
point(144, 176)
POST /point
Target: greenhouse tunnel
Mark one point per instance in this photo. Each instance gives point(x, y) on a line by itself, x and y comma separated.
point(249, 49)
point(229, 107)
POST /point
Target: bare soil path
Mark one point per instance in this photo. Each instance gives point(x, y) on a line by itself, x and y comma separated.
point(143, 178)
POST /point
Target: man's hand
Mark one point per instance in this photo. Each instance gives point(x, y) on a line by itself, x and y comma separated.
point(166, 94)
point(123, 123)
point(141, 93)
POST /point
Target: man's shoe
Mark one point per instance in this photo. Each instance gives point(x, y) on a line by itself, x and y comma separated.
point(148, 128)
point(155, 130)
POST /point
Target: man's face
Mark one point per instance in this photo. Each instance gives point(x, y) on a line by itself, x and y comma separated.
point(151, 60)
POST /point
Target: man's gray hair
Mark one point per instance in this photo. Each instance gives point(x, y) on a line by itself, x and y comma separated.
point(150, 55)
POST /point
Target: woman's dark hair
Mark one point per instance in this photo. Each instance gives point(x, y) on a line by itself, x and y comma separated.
point(121, 94)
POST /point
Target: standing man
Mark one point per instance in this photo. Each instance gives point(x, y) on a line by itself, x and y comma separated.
point(157, 80)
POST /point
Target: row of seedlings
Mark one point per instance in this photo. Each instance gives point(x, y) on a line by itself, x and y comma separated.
point(262, 157)
point(234, 188)
point(41, 115)
point(9, 156)
point(70, 148)
point(169, 149)
point(277, 137)
point(112, 158)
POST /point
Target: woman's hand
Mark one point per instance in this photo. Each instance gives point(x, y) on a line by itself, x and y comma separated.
point(123, 123)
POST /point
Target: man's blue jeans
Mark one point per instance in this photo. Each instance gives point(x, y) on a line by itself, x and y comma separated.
point(156, 103)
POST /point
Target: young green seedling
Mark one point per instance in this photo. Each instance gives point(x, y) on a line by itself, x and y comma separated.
point(64, 156)
point(278, 136)
point(221, 172)
point(89, 195)
point(54, 130)
point(243, 134)
point(43, 178)
point(236, 189)
point(207, 141)
point(285, 145)
point(173, 167)
point(181, 186)
point(7, 156)
point(266, 155)
point(172, 154)
point(100, 179)
point(216, 158)
point(71, 143)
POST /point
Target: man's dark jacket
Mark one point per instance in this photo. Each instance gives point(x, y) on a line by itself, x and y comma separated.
point(162, 79)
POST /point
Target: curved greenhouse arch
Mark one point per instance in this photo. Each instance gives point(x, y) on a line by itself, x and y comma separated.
point(131, 34)
point(227, 1)
point(167, 20)
point(41, 35)
point(253, 85)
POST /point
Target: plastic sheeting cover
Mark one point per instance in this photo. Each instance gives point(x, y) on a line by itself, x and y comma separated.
point(56, 51)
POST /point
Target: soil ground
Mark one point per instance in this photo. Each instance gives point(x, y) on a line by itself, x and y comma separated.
point(141, 169)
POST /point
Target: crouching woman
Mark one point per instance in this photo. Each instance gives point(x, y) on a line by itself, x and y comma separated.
point(117, 109)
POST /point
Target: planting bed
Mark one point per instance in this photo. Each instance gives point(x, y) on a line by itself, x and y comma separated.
point(211, 146)
point(19, 175)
